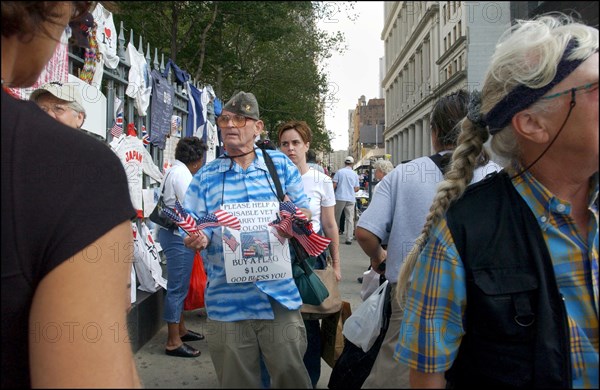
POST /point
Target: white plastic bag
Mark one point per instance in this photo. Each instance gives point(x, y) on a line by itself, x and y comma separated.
point(364, 325)
point(369, 284)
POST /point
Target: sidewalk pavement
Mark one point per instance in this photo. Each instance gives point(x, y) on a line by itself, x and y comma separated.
point(157, 370)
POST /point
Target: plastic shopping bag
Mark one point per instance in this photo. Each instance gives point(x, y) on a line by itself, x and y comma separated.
point(364, 325)
point(195, 297)
point(369, 284)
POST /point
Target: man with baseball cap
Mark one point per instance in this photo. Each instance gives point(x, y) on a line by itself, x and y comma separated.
point(61, 101)
point(249, 321)
point(345, 184)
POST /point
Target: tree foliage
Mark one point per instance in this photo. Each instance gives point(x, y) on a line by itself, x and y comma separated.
point(272, 49)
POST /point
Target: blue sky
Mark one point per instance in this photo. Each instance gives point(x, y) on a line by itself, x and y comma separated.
point(356, 72)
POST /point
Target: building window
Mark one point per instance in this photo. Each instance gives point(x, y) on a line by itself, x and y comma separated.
point(444, 13)
point(445, 44)
point(460, 28)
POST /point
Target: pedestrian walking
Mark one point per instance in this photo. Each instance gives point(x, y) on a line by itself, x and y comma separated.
point(387, 229)
point(504, 289)
point(248, 319)
point(189, 155)
point(66, 218)
point(294, 140)
point(345, 184)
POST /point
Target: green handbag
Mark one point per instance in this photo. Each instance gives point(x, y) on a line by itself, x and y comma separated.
point(311, 288)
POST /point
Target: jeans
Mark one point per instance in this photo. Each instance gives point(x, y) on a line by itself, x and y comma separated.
point(179, 269)
point(312, 357)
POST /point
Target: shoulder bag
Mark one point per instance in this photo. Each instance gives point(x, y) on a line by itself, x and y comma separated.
point(333, 303)
point(157, 216)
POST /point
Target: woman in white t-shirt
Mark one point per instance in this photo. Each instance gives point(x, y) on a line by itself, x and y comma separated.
point(294, 141)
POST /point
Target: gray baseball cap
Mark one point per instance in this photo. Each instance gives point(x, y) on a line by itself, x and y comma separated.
point(64, 91)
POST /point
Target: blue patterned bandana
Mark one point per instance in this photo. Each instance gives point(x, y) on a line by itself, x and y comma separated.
point(522, 97)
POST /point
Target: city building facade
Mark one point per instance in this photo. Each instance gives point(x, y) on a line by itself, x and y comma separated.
point(429, 45)
point(368, 123)
point(433, 48)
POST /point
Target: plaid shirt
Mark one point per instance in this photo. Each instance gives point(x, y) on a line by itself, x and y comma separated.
point(432, 327)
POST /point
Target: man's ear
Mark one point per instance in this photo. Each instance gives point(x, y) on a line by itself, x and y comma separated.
point(260, 125)
point(528, 125)
point(80, 119)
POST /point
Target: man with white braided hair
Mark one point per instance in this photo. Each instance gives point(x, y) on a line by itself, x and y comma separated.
point(390, 225)
point(247, 320)
point(504, 289)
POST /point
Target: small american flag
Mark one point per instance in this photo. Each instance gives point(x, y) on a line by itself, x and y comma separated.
point(230, 240)
point(219, 218)
point(172, 214)
point(117, 129)
point(289, 209)
point(294, 223)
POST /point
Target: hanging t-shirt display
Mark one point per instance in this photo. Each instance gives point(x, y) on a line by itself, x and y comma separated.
point(139, 87)
point(195, 118)
point(212, 141)
point(136, 160)
point(161, 109)
point(106, 36)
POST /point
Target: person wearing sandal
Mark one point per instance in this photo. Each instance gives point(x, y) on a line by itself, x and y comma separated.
point(189, 154)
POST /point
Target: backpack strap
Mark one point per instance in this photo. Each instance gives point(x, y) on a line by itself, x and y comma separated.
point(442, 161)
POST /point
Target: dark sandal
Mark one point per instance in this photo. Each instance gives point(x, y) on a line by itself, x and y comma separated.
point(192, 336)
point(183, 350)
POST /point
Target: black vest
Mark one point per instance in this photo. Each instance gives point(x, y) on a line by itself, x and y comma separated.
point(516, 325)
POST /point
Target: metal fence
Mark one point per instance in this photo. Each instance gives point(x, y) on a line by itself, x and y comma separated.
point(115, 82)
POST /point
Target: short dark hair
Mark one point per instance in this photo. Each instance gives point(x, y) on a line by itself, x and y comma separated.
point(311, 156)
point(300, 126)
point(190, 149)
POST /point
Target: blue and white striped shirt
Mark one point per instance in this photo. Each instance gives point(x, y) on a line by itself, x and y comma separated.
point(223, 181)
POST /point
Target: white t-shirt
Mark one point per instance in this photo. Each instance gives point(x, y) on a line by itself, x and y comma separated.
point(178, 179)
point(106, 36)
point(140, 81)
point(318, 187)
point(136, 160)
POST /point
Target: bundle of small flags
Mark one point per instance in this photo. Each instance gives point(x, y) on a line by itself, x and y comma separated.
point(192, 226)
point(293, 222)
